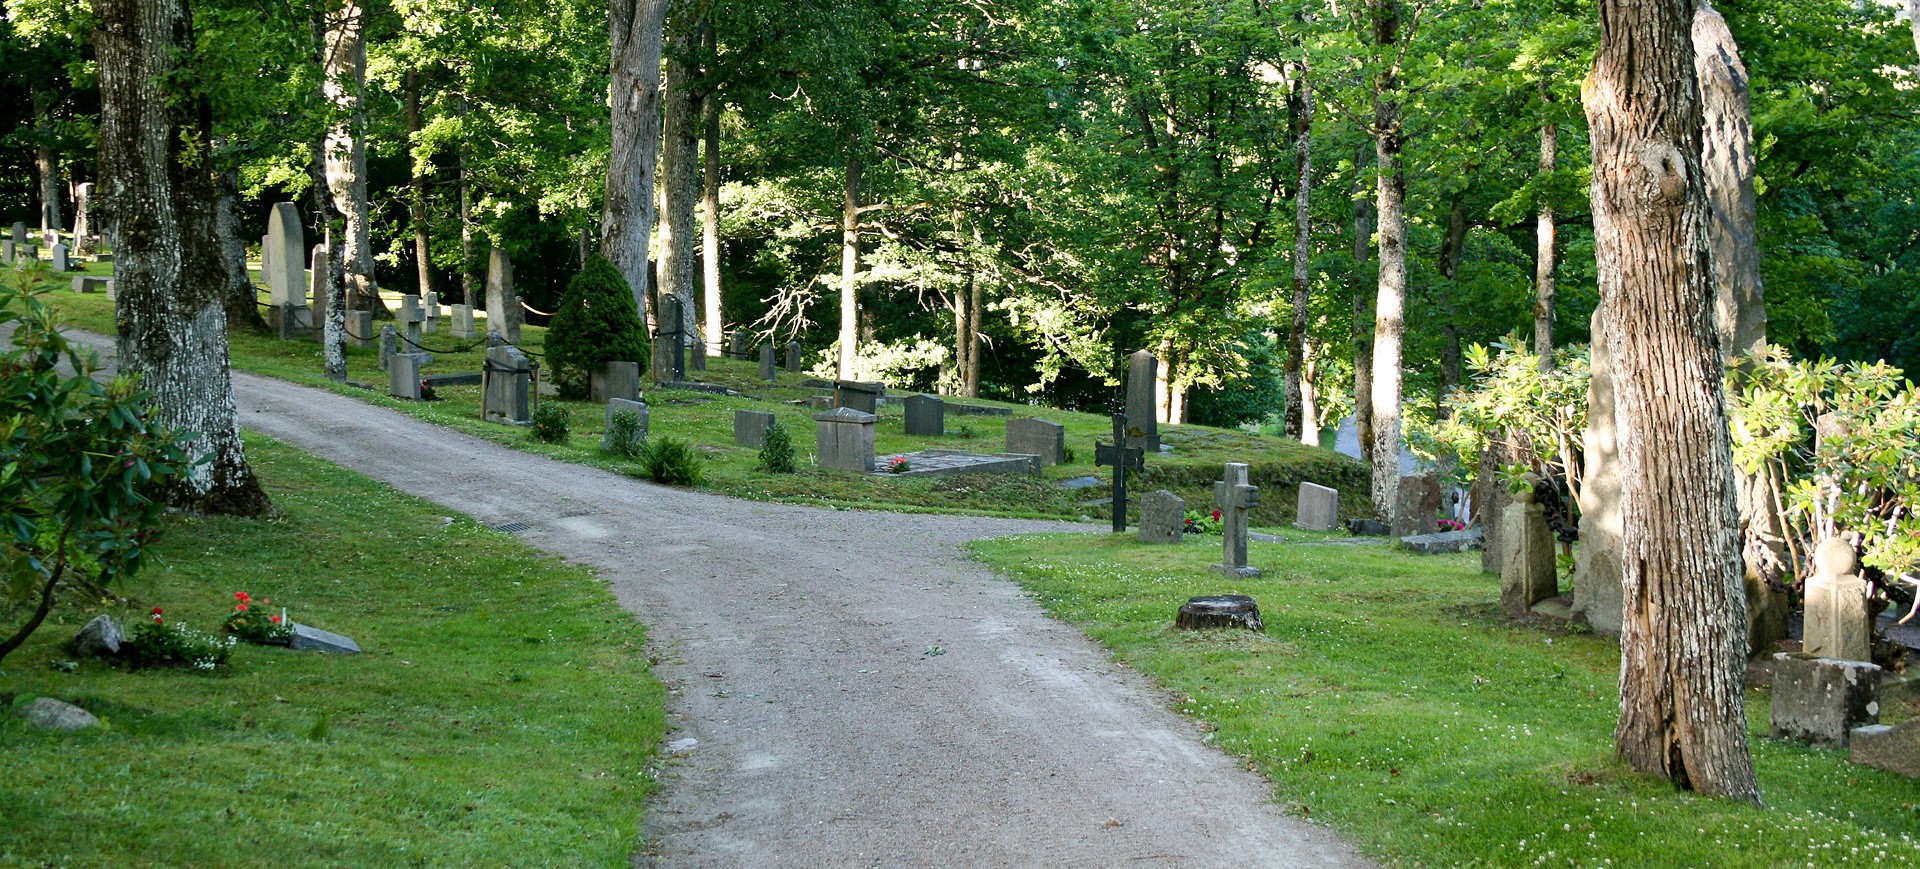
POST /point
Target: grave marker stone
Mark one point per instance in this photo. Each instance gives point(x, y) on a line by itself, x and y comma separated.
point(59, 257)
point(696, 352)
point(1235, 498)
point(6, 251)
point(19, 234)
point(1037, 437)
point(283, 262)
point(431, 305)
point(403, 375)
point(410, 318)
point(359, 329)
point(1318, 508)
point(1821, 700)
point(1597, 594)
point(615, 405)
point(1838, 623)
point(793, 356)
point(1122, 457)
point(861, 396)
point(389, 345)
point(1163, 518)
point(319, 299)
point(845, 439)
point(88, 284)
point(503, 306)
point(1143, 426)
point(766, 363)
point(1893, 748)
point(615, 380)
point(750, 427)
point(669, 347)
point(1417, 507)
point(926, 415)
point(737, 344)
point(506, 380)
point(1529, 572)
point(463, 322)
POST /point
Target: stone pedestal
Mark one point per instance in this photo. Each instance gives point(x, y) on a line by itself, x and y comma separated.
point(1319, 508)
point(403, 376)
point(1163, 518)
point(1529, 571)
point(1837, 621)
point(290, 321)
point(506, 381)
point(1895, 749)
point(463, 323)
point(845, 439)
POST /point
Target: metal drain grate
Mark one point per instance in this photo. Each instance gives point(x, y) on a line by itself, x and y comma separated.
point(512, 526)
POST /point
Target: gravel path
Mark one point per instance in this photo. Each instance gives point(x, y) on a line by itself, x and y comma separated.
point(861, 693)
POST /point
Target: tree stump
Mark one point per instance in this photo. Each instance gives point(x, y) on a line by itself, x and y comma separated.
point(1219, 611)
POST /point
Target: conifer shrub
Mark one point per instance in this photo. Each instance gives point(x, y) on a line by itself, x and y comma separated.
point(550, 421)
point(597, 322)
point(776, 450)
point(670, 461)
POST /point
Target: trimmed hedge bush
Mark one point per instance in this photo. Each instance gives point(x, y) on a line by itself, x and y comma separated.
point(597, 323)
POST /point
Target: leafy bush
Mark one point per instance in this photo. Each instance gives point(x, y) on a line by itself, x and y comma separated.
point(623, 435)
point(597, 323)
point(257, 625)
point(671, 461)
point(550, 421)
point(158, 644)
point(776, 450)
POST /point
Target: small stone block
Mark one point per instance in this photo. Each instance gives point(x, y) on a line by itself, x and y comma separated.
point(1821, 700)
point(1893, 748)
point(312, 639)
point(1038, 437)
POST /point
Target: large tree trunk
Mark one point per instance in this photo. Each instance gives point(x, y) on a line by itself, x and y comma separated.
point(850, 266)
point(469, 266)
point(976, 302)
point(238, 296)
point(1363, 291)
point(48, 169)
point(417, 195)
point(159, 185)
point(1389, 306)
point(635, 28)
point(326, 224)
point(1299, 422)
point(345, 86)
point(1453, 248)
point(1545, 260)
point(1683, 638)
point(680, 160)
point(710, 214)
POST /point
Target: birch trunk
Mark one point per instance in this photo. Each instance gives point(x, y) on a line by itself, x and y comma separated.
point(1389, 305)
point(635, 29)
point(1544, 259)
point(710, 216)
point(158, 182)
point(680, 162)
point(1683, 638)
point(850, 267)
point(1299, 422)
point(345, 85)
point(1362, 311)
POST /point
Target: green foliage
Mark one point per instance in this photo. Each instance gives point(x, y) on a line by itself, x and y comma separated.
point(81, 467)
point(256, 623)
point(159, 643)
point(550, 422)
point(776, 450)
point(623, 434)
point(1201, 523)
point(597, 323)
point(1541, 415)
point(670, 461)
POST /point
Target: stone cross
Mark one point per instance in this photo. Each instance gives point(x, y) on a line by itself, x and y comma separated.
point(411, 318)
point(1235, 498)
point(1122, 458)
point(431, 303)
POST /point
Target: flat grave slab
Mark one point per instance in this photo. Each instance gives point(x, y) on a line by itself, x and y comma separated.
point(940, 463)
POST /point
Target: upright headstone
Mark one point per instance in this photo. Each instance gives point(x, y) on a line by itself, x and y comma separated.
point(750, 427)
point(1821, 700)
point(766, 363)
point(317, 293)
point(737, 344)
point(1235, 498)
point(1894, 748)
point(845, 439)
point(463, 322)
point(1037, 437)
point(1163, 517)
point(669, 347)
point(616, 405)
point(1838, 623)
point(1318, 508)
point(506, 379)
point(360, 329)
point(1122, 458)
point(1417, 508)
point(284, 260)
point(6, 251)
point(926, 416)
point(859, 395)
point(1529, 572)
point(793, 356)
point(503, 306)
point(696, 352)
point(19, 234)
point(389, 346)
point(50, 237)
point(403, 376)
point(266, 259)
point(1143, 425)
point(83, 217)
point(1597, 594)
point(615, 380)
point(411, 317)
point(59, 257)
point(430, 305)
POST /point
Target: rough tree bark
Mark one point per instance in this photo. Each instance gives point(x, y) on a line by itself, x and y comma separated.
point(710, 212)
point(680, 157)
point(417, 194)
point(1299, 422)
point(1453, 248)
point(850, 266)
point(1683, 639)
point(345, 84)
point(1362, 308)
point(635, 28)
point(238, 295)
point(1389, 306)
point(47, 168)
point(1544, 261)
point(469, 266)
point(158, 182)
point(976, 301)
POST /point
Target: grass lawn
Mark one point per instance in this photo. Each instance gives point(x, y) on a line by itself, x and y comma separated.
point(706, 420)
point(503, 710)
point(1389, 699)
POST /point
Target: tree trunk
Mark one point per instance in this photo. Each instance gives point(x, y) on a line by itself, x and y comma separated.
point(1453, 247)
point(962, 331)
point(710, 214)
point(850, 266)
point(1390, 300)
point(1683, 638)
point(680, 160)
point(159, 185)
point(976, 302)
point(417, 195)
point(1544, 259)
point(48, 169)
point(1299, 423)
point(333, 350)
point(469, 267)
point(238, 296)
point(1362, 310)
point(635, 28)
point(345, 86)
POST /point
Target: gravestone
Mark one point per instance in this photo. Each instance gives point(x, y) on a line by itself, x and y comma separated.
point(1838, 623)
point(859, 395)
point(307, 638)
point(696, 352)
point(669, 346)
point(6, 251)
point(766, 363)
point(19, 234)
point(1037, 437)
point(615, 380)
point(793, 356)
point(283, 258)
point(1821, 700)
point(1529, 572)
point(503, 306)
point(1597, 593)
point(1121, 458)
point(926, 415)
point(750, 427)
point(506, 380)
point(1417, 506)
point(317, 296)
point(1319, 508)
point(360, 329)
point(1143, 426)
point(616, 405)
point(82, 217)
point(737, 344)
point(89, 284)
point(50, 238)
point(1235, 498)
point(1163, 518)
point(59, 254)
point(410, 318)
point(845, 439)
point(1892, 748)
point(403, 375)
point(389, 345)
point(463, 322)
point(430, 305)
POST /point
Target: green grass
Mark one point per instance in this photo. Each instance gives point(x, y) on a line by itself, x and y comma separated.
point(706, 420)
point(1389, 699)
point(503, 710)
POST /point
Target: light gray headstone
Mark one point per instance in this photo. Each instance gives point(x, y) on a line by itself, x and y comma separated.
point(1529, 571)
point(1037, 437)
point(403, 376)
point(503, 305)
point(750, 427)
point(359, 329)
point(1597, 593)
point(59, 257)
point(431, 306)
point(1319, 508)
point(1143, 426)
point(615, 380)
point(616, 405)
point(506, 380)
point(317, 293)
point(463, 322)
point(410, 317)
point(285, 255)
point(6, 251)
point(766, 363)
point(926, 416)
point(1838, 623)
point(1163, 517)
point(1236, 498)
point(1821, 700)
point(845, 439)
point(307, 638)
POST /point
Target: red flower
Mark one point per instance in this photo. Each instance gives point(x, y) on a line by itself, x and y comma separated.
point(274, 619)
point(156, 611)
point(1216, 515)
point(241, 596)
point(240, 607)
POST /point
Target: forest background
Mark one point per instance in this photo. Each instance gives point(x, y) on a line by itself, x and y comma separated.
point(1029, 190)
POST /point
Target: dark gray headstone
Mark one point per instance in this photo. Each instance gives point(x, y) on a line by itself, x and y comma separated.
point(766, 363)
point(503, 305)
point(750, 427)
point(859, 395)
point(307, 638)
point(1037, 437)
point(1417, 511)
point(46, 713)
point(697, 354)
point(99, 638)
point(1163, 517)
point(1821, 700)
point(669, 346)
point(737, 344)
point(793, 356)
point(926, 415)
point(19, 233)
point(1143, 426)
point(615, 380)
